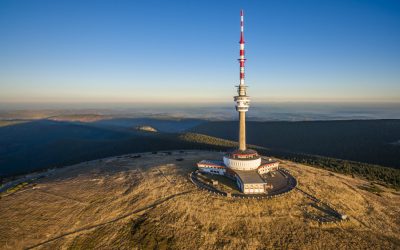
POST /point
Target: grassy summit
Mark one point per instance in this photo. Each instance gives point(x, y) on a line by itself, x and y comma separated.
point(148, 202)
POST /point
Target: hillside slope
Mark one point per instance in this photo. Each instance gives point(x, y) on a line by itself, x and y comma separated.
point(148, 202)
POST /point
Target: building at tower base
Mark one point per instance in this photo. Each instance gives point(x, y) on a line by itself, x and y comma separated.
point(249, 181)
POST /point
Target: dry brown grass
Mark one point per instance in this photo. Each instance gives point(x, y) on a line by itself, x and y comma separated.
point(141, 203)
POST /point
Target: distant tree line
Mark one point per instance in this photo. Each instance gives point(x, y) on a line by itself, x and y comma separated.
point(384, 175)
point(69, 150)
point(369, 141)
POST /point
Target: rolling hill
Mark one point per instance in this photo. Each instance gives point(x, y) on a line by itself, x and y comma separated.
point(126, 202)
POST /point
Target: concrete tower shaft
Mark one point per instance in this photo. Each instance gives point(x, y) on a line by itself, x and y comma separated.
point(242, 100)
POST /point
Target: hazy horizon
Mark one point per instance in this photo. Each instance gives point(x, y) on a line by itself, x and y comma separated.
point(286, 111)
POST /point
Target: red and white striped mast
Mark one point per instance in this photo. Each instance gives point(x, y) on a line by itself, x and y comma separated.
point(241, 42)
point(242, 100)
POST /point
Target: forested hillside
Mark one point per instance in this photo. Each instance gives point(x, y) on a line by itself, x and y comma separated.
point(370, 141)
point(350, 147)
point(45, 144)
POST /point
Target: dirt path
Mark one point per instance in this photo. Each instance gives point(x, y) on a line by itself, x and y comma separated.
point(61, 196)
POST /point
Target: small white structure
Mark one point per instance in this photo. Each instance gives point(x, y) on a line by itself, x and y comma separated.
point(268, 167)
point(211, 167)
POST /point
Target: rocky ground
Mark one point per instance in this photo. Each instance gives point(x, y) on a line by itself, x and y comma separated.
point(148, 202)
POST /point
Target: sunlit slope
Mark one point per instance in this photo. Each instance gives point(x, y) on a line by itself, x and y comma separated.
point(148, 202)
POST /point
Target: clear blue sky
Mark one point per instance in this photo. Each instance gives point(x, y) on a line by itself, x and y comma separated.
point(186, 51)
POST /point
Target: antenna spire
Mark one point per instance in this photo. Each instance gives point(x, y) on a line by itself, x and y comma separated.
point(241, 27)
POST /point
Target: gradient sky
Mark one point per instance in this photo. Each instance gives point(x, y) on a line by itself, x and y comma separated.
point(186, 51)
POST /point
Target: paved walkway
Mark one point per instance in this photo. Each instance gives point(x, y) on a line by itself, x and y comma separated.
point(287, 184)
